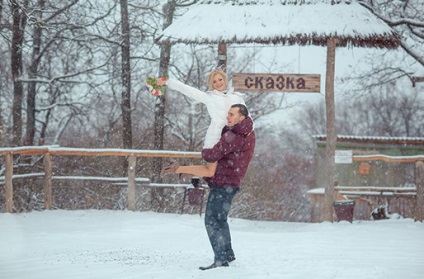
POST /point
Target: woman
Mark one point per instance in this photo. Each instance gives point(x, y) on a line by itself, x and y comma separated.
point(218, 100)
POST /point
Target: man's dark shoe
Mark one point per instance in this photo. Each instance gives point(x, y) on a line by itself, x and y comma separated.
point(231, 258)
point(214, 265)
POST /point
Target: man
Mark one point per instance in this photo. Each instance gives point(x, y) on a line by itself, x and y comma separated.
point(233, 153)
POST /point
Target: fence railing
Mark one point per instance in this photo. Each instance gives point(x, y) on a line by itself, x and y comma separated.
point(48, 152)
point(419, 178)
point(412, 196)
point(132, 155)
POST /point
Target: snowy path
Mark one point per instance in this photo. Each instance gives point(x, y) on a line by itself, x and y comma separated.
point(122, 244)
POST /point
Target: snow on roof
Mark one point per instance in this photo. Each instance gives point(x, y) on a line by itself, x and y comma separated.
point(289, 22)
point(370, 139)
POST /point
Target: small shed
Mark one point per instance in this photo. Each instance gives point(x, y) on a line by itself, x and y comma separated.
point(374, 182)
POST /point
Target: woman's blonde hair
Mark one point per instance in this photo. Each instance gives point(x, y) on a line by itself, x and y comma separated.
point(215, 72)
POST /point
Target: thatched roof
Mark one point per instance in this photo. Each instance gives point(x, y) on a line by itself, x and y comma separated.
point(287, 22)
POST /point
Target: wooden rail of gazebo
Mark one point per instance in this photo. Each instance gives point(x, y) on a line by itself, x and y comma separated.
point(47, 152)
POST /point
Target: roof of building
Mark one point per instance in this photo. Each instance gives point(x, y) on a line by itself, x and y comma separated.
point(370, 139)
point(287, 22)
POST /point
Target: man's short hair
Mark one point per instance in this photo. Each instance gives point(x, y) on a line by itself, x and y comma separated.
point(242, 109)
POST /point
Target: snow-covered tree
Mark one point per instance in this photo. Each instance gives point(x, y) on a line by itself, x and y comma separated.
point(407, 18)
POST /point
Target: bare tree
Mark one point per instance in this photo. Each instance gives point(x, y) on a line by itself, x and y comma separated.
point(407, 18)
point(18, 29)
point(277, 180)
point(32, 73)
point(160, 102)
point(38, 23)
point(390, 112)
point(126, 81)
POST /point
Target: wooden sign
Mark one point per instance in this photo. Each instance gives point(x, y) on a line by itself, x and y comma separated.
point(277, 82)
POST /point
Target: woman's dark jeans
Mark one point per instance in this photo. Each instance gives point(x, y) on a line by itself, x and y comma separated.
point(217, 208)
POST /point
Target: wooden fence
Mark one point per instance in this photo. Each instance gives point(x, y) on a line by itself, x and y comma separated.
point(415, 195)
point(419, 176)
point(132, 155)
point(48, 152)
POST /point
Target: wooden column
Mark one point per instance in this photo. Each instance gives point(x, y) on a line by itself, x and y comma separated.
point(8, 183)
point(48, 198)
point(330, 148)
point(222, 55)
point(417, 79)
point(419, 182)
point(132, 160)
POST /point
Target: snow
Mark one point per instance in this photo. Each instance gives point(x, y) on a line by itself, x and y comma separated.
point(411, 157)
point(374, 138)
point(125, 244)
point(272, 20)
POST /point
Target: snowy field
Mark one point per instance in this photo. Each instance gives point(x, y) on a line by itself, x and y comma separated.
point(122, 244)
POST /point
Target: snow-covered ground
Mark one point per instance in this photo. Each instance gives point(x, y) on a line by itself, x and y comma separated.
point(123, 244)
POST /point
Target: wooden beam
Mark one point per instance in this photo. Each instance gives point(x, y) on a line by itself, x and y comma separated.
point(24, 150)
point(388, 159)
point(330, 195)
point(99, 152)
point(132, 162)
point(222, 56)
point(138, 153)
point(417, 79)
point(419, 183)
point(8, 183)
point(375, 189)
point(48, 193)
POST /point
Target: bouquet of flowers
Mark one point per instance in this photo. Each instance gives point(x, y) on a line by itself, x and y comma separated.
point(153, 88)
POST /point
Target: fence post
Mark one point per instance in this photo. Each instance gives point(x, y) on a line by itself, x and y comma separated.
point(419, 182)
point(48, 201)
point(8, 183)
point(132, 160)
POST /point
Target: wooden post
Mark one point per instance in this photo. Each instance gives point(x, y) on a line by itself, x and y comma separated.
point(417, 79)
point(132, 160)
point(222, 56)
point(48, 199)
point(419, 183)
point(8, 183)
point(329, 195)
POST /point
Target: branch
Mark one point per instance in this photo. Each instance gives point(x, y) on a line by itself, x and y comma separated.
point(412, 53)
point(67, 104)
point(189, 3)
point(60, 78)
point(392, 23)
point(403, 21)
point(58, 12)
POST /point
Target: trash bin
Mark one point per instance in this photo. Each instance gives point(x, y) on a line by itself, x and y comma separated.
point(195, 196)
point(344, 210)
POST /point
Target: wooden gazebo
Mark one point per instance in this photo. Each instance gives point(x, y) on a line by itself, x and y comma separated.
point(330, 23)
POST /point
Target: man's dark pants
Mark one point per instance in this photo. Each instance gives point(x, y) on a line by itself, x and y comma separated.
point(217, 208)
